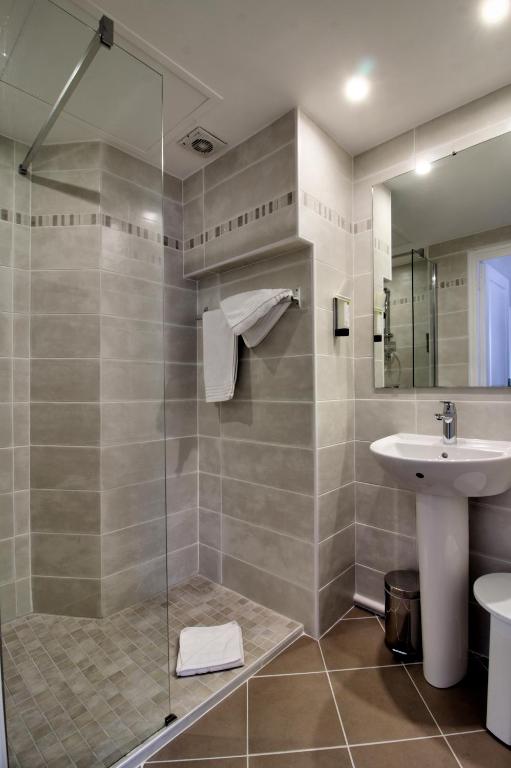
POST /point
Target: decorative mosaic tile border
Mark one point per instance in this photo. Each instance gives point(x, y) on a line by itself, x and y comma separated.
point(240, 220)
point(14, 217)
point(417, 299)
point(456, 282)
point(362, 226)
point(90, 219)
point(381, 245)
point(112, 222)
point(330, 214)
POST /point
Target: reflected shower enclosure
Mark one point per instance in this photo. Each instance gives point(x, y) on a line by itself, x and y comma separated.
point(406, 311)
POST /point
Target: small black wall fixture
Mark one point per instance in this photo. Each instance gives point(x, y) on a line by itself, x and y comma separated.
point(342, 315)
point(104, 35)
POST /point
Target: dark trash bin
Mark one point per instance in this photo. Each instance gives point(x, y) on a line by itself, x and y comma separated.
point(403, 614)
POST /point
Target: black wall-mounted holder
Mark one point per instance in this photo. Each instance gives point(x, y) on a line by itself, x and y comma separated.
point(342, 315)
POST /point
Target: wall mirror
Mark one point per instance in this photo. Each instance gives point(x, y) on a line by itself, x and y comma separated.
point(442, 272)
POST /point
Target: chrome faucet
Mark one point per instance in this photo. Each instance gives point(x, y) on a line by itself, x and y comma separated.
point(449, 422)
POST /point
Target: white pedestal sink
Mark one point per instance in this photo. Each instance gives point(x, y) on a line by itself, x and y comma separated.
point(443, 477)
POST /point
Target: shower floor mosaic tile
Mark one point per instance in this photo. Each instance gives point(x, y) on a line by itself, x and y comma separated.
point(80, 693)
point(342, 702)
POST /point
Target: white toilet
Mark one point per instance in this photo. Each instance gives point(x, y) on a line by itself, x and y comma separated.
point(493, 592)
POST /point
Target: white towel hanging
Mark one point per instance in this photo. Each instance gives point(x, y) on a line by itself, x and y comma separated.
point(220, 352)
point(254, 313)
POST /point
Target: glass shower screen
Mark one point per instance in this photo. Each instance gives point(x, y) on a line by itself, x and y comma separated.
point(83, 541)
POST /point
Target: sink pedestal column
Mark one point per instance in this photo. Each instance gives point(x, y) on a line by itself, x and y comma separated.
point(442, 537)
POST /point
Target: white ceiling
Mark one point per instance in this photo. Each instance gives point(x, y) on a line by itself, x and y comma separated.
point(248, 61)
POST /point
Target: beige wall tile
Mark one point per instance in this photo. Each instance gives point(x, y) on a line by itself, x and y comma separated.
point(335, 422)
point(336, 510)
point(66, 555)
point(64, 336)
point(384, 551)
point(61, 380)
point(65, 291)
point(127, 547)
point(336, 554)
point(250, 151)
point(336, 598)
point(66, 468)
point(65, 424)
point(386, 508)
point(284, 511)
point(209, 528)
point(335, 467)
point(210, 563)
point(280, 467)
point(286, 423)
point(132, 463)
point(65, 511)
point(132, 504)
point(376, 418)
point(133, 585)
point(272, 552)
point(279, 594)
point(68, 596)
point(182, 530)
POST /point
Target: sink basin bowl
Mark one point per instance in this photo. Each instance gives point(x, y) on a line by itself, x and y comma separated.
point(424, 464)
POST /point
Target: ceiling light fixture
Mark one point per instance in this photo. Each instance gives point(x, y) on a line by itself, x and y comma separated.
point(494, 11)
point(423, 167)
point(357, 88)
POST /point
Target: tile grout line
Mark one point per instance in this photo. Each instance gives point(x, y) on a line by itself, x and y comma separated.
point(336, 706)
point(247, 725)
point(432, 716)
point(342, 618)
point(339, 669)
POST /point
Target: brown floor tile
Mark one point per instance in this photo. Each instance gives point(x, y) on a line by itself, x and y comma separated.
point(295, 712)
point(223, 762)
point(358, 613)
point(325, 758)
point(220, 732)
point(380, 705)
point(480, 750)
point(356, 644)
point(425, 753)
point(460, 708)
point(303, 656)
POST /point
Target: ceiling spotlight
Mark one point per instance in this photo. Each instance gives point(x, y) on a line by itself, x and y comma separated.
point(423, 167)
point(494, 11)
point(357, 88)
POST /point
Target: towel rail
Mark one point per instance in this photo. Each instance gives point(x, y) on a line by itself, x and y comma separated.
point(296, 298)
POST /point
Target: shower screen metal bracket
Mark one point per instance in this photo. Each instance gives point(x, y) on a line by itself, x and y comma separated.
point(104, 35)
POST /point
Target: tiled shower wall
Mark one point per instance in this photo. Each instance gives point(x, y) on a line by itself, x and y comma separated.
point(276, 487)
point(100, 351)
point(15, 591)
point(325, 216)
point(385, 514)
point(243, 202)
point(256, 457)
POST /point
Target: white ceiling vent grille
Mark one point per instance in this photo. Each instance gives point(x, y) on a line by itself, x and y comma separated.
point(201, 141)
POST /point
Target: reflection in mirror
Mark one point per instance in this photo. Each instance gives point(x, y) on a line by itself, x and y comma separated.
point(442, 272)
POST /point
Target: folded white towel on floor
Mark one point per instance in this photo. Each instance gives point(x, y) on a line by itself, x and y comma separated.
point(209, 649)
point(254, 313)
point(220, 348)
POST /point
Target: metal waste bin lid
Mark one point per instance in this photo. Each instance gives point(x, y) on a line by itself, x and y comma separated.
point(404, 584)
